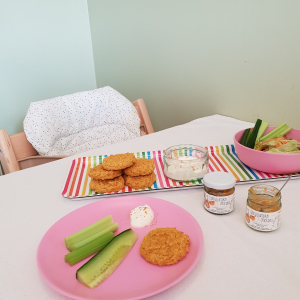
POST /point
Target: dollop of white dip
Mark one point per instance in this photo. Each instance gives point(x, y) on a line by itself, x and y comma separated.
point(182, 170)
point(141, 216)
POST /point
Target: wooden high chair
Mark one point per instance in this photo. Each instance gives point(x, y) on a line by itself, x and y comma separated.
point(16, 153)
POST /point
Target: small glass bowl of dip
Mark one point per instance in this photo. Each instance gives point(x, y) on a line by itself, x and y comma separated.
point(185, 162)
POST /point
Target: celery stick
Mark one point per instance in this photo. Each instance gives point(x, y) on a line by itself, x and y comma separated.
point(89, 231)
point(284, 131)
point(263, 127)
point(274, 133)
point(99, 225)
point(74, 244)
point(88, 249)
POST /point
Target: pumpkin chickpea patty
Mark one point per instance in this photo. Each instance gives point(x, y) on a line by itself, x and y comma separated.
point(165, 246)
point(99, 173)
point(108, 185)
point(141, 167)
point(140, 182)
point(118, 161)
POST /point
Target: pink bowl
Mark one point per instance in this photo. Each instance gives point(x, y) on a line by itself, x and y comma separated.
point(275, 163)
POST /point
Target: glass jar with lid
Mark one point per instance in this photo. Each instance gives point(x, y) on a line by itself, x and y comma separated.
point(219, 192)
point(263, 207)
point(185, 162)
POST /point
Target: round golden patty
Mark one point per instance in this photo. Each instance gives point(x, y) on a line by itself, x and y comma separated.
point(141, 167)
point(99, 173)
point(165, 246)
point(118, 161)
point(140, 182)
point(107, 186)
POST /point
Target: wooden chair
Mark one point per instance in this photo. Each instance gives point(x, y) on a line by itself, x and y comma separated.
point(16, 153)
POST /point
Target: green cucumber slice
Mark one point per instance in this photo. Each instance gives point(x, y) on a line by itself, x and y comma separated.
point(100, 266)
point(252, 139)
point(244, 136)
point(263, 127)
point(248, 137)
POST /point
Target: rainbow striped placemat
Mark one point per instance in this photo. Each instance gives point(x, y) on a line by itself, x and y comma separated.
point(221, 158)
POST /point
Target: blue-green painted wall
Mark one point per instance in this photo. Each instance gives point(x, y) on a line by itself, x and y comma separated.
point(45, 51)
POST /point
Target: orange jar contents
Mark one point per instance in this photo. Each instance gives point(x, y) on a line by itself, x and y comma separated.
point(263, 208)
point(219, 192)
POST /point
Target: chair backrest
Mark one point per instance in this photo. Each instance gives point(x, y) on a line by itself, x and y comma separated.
point(146, 124)
point(16, 153)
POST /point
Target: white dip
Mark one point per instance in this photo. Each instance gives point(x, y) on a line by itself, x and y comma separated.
point(141, 216)
point(185, 168)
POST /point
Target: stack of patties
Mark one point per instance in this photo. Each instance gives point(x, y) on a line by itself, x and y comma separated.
point(140, 175)
point(107, 177)
point(119, 170)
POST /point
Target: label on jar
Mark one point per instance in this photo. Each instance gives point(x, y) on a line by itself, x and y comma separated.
point(219, 205)
point(262, 221)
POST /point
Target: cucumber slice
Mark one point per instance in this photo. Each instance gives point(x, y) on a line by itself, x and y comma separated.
point(263, 127)
point(248, 137)
point(100, 266)
point(244, 136)
point(252, 139)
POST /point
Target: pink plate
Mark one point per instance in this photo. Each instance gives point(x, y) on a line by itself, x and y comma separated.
point(134, 278)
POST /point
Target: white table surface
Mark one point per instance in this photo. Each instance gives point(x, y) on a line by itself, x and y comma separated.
point(236, 263)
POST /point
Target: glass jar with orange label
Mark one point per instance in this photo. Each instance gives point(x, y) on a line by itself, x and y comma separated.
point(263, 208)
point(219, 192)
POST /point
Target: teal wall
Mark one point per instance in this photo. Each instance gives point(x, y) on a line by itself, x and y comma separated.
point(45, 51)
point(193, 58)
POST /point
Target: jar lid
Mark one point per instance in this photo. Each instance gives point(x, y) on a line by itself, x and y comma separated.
point(219, 180)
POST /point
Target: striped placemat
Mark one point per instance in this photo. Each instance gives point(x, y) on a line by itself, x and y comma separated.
point(221, 158)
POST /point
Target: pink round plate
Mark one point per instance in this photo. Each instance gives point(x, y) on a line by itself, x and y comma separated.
point(134, 278)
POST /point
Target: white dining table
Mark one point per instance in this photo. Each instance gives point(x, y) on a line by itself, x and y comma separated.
point(236, 263)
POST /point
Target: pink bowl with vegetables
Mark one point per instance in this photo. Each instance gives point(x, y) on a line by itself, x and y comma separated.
point(276, 163)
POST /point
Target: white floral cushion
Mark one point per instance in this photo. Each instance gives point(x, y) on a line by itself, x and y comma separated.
point(79, 122)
